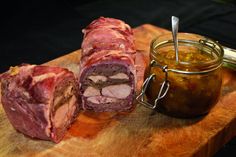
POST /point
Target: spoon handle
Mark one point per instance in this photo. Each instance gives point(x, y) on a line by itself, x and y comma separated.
point(175, 28)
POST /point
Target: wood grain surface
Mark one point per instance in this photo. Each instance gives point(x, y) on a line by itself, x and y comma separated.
point(140, 133)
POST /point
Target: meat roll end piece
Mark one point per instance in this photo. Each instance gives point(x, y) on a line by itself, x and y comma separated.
point(40, 101)
point(107, 86)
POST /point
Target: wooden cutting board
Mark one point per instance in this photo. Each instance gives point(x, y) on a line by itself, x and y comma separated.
point(140, 133)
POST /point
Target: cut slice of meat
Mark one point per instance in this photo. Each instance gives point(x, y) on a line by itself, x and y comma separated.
point(97, 78)
point(120, 90)
point(40, 101)
point(91, 91)
point(119, 76)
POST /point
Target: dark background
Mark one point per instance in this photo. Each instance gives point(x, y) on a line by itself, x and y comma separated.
point(37, 31)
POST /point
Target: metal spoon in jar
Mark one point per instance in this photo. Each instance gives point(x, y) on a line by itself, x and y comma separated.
point(175, 27)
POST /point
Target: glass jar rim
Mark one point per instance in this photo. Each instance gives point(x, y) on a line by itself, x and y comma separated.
point(202, 41)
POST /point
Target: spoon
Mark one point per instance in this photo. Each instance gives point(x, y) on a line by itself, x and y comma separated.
point(175, 27)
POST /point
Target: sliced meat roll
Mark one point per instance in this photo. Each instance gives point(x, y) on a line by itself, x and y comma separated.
point(40, 101)
point(108, 74)
point(108, 83)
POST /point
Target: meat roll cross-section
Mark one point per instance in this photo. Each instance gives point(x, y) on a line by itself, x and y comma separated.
point(40, 101)
point(108, 75)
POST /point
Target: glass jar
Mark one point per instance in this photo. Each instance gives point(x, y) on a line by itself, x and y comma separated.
point(188, 87)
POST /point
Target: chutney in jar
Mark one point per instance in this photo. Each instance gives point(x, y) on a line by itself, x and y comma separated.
point(194, 81)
